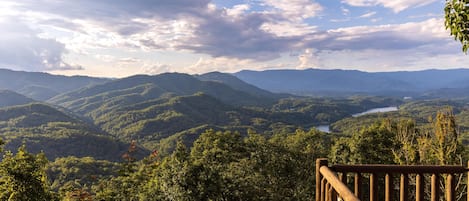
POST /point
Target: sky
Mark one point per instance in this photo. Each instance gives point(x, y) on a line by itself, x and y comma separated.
point(119, 38)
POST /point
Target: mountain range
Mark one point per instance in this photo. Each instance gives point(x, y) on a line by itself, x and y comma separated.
point(318, 82)
point(99, 117)
point(42, 86)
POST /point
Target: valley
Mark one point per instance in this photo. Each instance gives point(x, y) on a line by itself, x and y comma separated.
point(112, 129)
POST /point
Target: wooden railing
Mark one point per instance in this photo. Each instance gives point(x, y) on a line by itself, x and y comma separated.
point(332, 182)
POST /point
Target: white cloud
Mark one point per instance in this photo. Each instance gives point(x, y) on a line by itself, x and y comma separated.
point(395, 5)
point(21, 48)
point(308, 59)
point(295, 9)
point(392, 36)
point(156, 68)
point(237, 10)
point(286, 29)
point(368, 15)
point(345, 11)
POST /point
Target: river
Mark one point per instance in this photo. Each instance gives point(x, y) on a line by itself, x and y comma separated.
point(326, 128)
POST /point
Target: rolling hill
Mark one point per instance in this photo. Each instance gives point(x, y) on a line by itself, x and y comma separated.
point(141, 88)
point(44, 128)
point(240, 85)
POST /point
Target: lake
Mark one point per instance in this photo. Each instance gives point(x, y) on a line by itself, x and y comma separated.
point(323, 128)
point(326, 128)
point(377, 110)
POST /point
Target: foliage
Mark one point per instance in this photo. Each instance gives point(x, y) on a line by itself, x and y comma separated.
point(457, 21)
point(403, 142)
point(225, 166)
point(23, 177)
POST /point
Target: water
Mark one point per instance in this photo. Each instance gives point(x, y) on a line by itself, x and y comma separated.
point(323, 128)
point(326, 128)
point(377, 110)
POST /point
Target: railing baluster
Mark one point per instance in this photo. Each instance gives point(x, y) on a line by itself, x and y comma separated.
point(319, 162)
point(343, 178)
point(450, 187)
point(323, 189)
point(358, 185)
point(373, 185)
point(388, 185)
point(419, 187)
point(332, 182)
point(435, 188)
point(333, 194)
point(403, 189)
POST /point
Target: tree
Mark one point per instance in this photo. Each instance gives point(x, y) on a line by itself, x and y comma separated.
point(374, 144)
point(23, 177)
point(457, 21)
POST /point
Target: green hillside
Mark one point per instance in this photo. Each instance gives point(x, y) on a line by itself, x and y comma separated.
point(44, 128)
point(240, 85)
point(143, 87)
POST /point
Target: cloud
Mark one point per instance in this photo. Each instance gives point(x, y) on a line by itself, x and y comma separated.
point(21, 48)
point(395, 5)
point(368, 15)
point(308, 59)
point(295, 9)
point(383, 37)
point(156, 68)
point(237, 10)
point(183, 25)
point(228, 38)
point(238, 38)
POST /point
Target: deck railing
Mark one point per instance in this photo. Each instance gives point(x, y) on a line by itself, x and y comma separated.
point(332, 182)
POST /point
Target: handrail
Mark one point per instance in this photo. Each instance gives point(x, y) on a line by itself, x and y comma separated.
point(339, 187)
point(330, 187)
point(403, 169)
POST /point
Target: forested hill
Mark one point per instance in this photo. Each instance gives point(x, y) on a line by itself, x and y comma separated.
point(42, 86)
point(141, 88)
point(239, 85)
point(347, 82)
point(43, 128)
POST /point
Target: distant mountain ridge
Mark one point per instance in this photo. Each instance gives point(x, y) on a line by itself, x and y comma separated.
point(323, 82)
point(10, 98)
point(42, 86)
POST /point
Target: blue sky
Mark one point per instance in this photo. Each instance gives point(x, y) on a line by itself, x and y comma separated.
point(118, 38)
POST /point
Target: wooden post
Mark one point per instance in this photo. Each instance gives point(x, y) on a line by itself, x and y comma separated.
point(388, 185)
point(358, 185)
point(419, 187)
point(435, 196)
point(319, 162)
point(373, 185)
point(450, 187)
point(403, 189)
point(467, 182)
